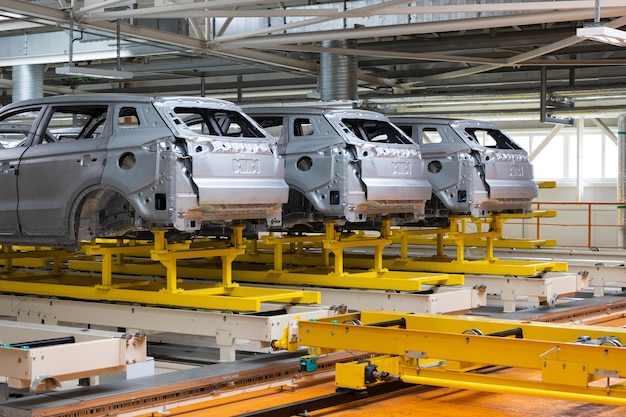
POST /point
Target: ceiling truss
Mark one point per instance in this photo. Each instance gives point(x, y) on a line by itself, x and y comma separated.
point(408, 51)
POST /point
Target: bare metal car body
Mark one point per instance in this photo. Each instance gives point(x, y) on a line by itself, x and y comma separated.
point(346, 165)
point(473, 167)
point(122, 163)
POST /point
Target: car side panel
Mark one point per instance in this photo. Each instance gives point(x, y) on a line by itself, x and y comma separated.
point(50, 177)
point(9, 161)
point(138, 163)
point(314, 164)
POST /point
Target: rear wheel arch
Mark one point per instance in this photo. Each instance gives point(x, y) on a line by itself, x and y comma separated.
point(101, 212)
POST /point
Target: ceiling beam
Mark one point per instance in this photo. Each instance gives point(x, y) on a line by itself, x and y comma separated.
point(252, 40)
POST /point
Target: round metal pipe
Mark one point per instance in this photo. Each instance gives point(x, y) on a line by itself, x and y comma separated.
point(537, 392)
point(27, 82)
point(338, 73)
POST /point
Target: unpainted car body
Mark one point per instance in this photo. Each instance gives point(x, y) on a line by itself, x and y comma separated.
point(347, 165)
point(121, 163)
point(473, 167)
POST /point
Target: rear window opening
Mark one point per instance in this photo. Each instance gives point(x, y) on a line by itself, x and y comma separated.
point(376, 131)
point(215, 122)
point(491, 138)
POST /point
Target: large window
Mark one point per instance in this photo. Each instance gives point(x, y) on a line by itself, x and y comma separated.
point(558, 160)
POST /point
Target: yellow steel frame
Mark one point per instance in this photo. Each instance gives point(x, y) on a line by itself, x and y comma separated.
point(325, 274)
point(224, 295)
point(33, 257)
point(460, 351)
point(457, 235)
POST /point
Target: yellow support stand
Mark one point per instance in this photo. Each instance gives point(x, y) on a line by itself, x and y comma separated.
point(112, 256)
point(337, 246)
point(32, 257)
point(495, 223)
point(169, 259)
point(315, 269)
point(458, 236)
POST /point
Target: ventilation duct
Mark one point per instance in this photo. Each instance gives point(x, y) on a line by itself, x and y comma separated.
point(27, 82)
point(338, 73)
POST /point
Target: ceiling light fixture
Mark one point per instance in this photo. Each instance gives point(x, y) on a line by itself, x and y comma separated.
point(93, 73)
point(603, 34)
point(597, 32)
point(72, 70)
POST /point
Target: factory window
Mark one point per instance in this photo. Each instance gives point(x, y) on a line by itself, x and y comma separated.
point(555, 157)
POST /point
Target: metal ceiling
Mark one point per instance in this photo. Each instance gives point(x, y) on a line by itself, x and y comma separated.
point(495, 58)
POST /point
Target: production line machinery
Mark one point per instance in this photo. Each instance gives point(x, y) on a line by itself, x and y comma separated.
point(241, 275)
point(571, 362)
point(576, 363)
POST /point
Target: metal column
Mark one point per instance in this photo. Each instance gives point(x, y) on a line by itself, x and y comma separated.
point(621, 181)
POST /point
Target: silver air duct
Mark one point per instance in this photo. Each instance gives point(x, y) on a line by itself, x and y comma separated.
point(27, 82)
point(338, 73)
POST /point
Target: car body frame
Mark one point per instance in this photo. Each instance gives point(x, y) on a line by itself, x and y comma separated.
point(473, 167)
point(120, 164)
point(346, 165)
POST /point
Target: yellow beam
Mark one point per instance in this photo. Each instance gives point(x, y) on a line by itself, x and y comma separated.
point(148, 292)
point(382, 280)
point(478, 267)
point(600, 395)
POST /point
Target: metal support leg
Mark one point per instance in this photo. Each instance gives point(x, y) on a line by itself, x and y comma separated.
point(460, 249)
point(404, 246)
point(385, 233)
point(508, 298)
point(330, 234)
point(107, 269)
point(227, 271)
point(278, 256)
point(8, 263)
point(489, 248)
point(226, 342)
point(440, 247)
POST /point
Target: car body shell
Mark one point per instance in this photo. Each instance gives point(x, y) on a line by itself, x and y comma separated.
point(132, 166)
point(473, 167)
point(350, 165)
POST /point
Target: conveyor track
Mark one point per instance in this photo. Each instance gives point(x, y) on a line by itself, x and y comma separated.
point(340, 397)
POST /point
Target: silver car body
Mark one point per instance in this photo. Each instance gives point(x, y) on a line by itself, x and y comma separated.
point(130, 163)
point(473, 167)
point(350, 165)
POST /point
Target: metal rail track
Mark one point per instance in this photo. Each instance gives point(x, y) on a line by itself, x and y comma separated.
point(341, 397)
